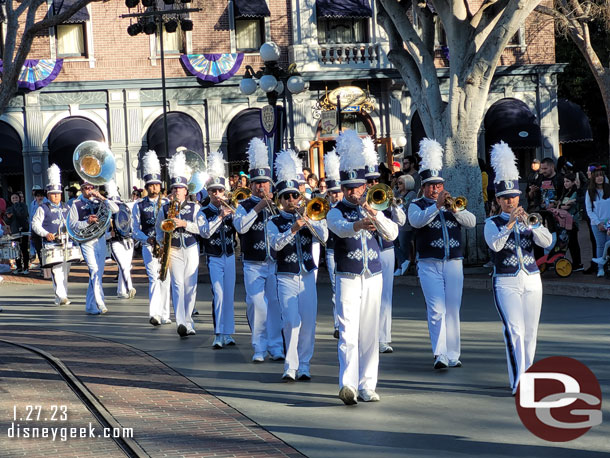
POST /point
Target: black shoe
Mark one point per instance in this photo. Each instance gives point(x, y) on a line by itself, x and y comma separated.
point(578, 268)
point(182, 330)
point(336, 334)
point(591, 270)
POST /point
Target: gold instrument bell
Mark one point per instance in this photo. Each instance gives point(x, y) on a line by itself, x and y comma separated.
point(238, 195)
point(379, 196)
point(317, 208)
point(456, 203)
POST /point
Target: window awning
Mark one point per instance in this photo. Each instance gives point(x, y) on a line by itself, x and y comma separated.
point(511, 121)
point(573, 123)
point(182, 130)
point(243, 127)
point(81, 15)
point(250, 9)
point(67, 135)
point(11, 150)
point(343, 9)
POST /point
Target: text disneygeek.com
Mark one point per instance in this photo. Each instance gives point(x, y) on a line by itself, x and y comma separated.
point(63, 433)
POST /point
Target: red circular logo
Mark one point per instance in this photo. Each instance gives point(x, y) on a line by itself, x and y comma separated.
point(559, 399)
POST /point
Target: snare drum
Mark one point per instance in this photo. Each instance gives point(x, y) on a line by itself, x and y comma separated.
point(74, 254)
point(51, 255)
point(9, 250)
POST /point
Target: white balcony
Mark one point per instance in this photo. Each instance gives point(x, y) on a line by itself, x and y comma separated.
point(339, 56)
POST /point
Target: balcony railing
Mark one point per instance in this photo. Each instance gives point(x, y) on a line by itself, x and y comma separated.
point(366, 54)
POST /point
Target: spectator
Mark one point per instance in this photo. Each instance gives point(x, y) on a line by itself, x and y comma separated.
point(72, 195)
point(544, 192)
point(568, 201)
point(306, 172)
point(322, 187)
point(409, 166)
point(532, 179)
point(584, 186)
point(405, 185)
point(136, 194)
point(243, 181)
point(39, 199)
point(597, 202)
point(385, 174)
point(312, 181)
point(18, 219)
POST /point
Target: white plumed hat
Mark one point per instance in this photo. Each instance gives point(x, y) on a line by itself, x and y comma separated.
point(352, 163)
point(258, 156)
point(216, 170)
point(178, 171)
point(504, 163)
point(431, 167)
point(112, 191)
point(371, 158)
point(151, 168)
point(54, 179)
point(287, 168)
point(331, 170)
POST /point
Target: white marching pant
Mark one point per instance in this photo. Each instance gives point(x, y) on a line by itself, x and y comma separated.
point(385, 312)
point(222, 277)
point(442, 283)
point(183, 267)
point(94, 253)
point(122, 251)
point(59, 274)
point(519, 301)
point(158, 291)
point(330, 264)
point(262, 307)
point(299, 304)
point(358, 301)
point(315, 252)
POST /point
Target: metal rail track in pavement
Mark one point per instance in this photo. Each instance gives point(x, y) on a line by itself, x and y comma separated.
point(129, 446)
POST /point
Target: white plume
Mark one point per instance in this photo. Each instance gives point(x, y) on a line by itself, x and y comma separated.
point(150, 163)
point(258, 155)
point(431, 153)
point(331, 165)
point(111, 189)
point(54, 175)
point(216, 164)
point(287, 165)
point(177, 165)
point(370, 155)
point(349, 146)
point(504, 162)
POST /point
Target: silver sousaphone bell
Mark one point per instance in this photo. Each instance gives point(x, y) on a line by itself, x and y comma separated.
point(196, 171)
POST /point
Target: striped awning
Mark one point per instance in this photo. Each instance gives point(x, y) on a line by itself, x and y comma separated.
point(81, 15)
point(343, 9)
point(250, 9)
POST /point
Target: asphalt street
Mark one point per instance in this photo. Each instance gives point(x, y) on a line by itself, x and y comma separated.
point(466, 411)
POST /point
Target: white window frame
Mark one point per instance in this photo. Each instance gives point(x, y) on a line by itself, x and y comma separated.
point(187, 44)
point(88, 39)
point(266, 34)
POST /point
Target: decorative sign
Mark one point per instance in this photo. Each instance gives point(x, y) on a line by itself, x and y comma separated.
point(348, 95)
point(268, 119)
point(328, 122)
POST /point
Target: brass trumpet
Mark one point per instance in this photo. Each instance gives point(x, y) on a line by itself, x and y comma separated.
point(316, 210)
point(531, 220)
point(456, 203)
point(379, 196)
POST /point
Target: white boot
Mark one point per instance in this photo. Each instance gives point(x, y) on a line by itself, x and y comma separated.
point(405, 266)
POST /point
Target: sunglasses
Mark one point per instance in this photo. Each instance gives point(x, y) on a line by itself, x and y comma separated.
point(291, 195)
point(86, 188)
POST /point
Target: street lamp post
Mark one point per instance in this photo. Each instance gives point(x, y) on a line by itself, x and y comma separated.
point(149, 22)
point(273, 80)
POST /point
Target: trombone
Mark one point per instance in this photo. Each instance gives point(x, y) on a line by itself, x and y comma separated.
point(316, 210)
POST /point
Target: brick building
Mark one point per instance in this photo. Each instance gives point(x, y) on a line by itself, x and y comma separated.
point(108, 86)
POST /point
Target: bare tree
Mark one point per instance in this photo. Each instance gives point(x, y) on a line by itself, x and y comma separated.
point(476, 38)
point(21, 28)
point(572, 18)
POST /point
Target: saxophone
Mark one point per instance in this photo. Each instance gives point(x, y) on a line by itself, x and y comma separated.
point(168, 226)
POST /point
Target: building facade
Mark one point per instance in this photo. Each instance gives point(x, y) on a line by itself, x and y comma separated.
point(108, 86)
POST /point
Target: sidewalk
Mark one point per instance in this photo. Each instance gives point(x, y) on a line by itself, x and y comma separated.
point(169, 414)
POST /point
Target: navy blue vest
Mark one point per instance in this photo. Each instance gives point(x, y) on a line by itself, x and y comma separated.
point(254, 242)
point(148, 215)
point(54, 217)
point(297, 254)
point(221, 241)
point(180, 236)
point(330, 242)
point(86, 208)
point(518, 252)
point(359, 254)
point(441, 238)
point(383, 243)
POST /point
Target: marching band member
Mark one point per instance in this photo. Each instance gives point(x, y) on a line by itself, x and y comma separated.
point(516, 280)
point(335, 195)
point(184, 256)
point(121, 243)
point(397, 215)
point(440, 253)
point(144, 217)
point(49, 222)
point(218, 239)
point(357, 275)
point(292, 240)
point(82, 214)
point(260, 280)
